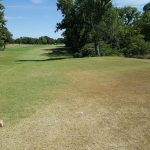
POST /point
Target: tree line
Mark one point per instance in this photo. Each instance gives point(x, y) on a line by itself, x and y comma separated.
point(96, 27)
point(6, 36)
point(40, 40)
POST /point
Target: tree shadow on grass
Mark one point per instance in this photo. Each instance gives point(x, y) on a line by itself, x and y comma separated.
point(58, 53)
point(49, 59)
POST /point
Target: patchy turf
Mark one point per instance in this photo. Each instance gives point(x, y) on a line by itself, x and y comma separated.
point(49, 100)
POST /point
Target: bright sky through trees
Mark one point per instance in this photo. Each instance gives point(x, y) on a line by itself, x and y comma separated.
point(35, 18)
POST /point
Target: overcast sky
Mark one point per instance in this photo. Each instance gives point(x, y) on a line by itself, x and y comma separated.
point(39, 17)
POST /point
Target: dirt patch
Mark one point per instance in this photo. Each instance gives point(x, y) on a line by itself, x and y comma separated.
point(97, 112)
point(82, 124)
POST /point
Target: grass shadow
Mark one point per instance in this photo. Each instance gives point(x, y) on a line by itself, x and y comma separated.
point(49, 59)
point(58, 53)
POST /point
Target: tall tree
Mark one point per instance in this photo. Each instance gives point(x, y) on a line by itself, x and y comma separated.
point(75, 33)
point(146, 7)
point(81, 20)
point(2, 24)
point(5, 35)
point(144, 23)
point(112, 28)
point(130, 15)
point(93, 11)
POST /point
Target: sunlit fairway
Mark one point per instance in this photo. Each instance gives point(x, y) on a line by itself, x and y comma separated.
point(49, 100)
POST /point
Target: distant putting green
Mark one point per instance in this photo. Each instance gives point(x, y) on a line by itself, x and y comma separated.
point(49, 100)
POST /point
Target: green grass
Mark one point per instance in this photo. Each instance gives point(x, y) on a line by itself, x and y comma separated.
point(24, 84)
point(44, 82)
point(26, 81)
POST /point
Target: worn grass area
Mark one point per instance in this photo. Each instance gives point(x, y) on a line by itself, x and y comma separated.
point(49, 100)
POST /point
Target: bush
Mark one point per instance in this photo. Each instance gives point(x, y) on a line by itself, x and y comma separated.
point(88, 50)
point(107, 50)
point(137, 47)
point(77, 55)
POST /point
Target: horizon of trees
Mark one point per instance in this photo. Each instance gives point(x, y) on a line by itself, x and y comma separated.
point(6, 36)
point(41, 40)
point(96, 27)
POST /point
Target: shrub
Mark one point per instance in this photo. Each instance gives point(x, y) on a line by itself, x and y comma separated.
point(107, 50)
point(88, 50)
point(137, 47)
point(77, 55)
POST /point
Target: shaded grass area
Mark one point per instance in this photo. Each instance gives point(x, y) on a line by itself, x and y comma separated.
point(86, 103)
point(58, 51)
point(49, 59)
point(54, 53)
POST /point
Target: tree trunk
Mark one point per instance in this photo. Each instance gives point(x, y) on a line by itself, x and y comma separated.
point(97, 48)
point(4, 46)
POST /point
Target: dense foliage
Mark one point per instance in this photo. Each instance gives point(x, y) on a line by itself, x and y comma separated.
point(95, 27)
